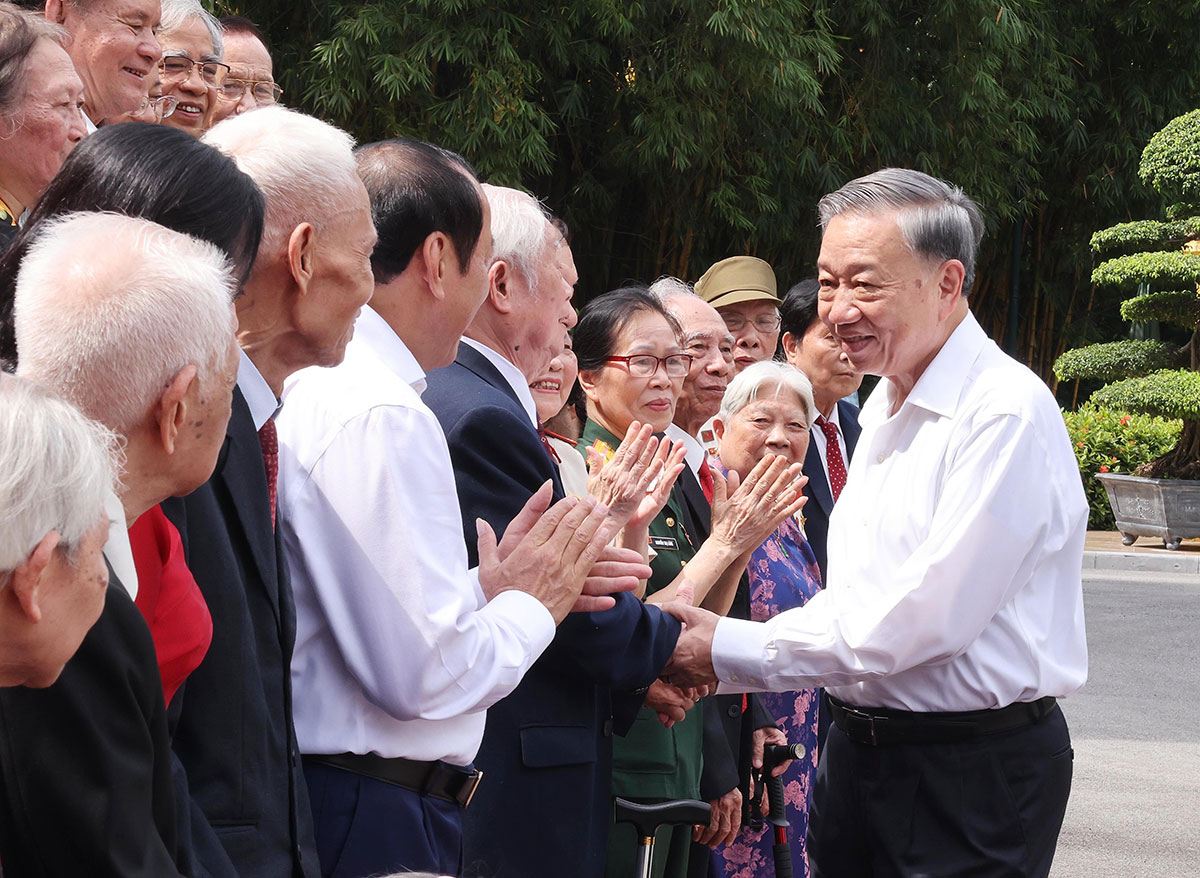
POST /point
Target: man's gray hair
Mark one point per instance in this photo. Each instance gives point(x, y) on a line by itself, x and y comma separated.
point(666, 288)
point(56, 469)
point(747, 384)
point(937, 220)
point(519, 231)
point(177, 13)
point(304, 167)
point(109, 308)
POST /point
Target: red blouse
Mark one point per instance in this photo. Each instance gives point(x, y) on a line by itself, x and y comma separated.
point(169, 599)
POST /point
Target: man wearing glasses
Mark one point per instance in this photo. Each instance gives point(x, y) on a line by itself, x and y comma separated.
point(251, 80)
point(742, 289)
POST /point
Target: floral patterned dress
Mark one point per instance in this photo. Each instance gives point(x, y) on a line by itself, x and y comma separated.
point(783, 574)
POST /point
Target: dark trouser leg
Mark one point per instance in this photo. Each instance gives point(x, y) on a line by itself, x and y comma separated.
point(368, 827)
point(837, 840)
point(991, 807)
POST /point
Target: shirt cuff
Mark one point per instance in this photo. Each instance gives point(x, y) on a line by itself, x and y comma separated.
point(737, 652)
point(526, 613)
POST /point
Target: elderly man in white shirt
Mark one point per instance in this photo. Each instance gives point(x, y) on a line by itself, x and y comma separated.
point(953, 617)
point(399, 648)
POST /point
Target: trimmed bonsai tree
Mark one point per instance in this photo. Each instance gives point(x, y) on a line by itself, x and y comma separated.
point(1158, 262)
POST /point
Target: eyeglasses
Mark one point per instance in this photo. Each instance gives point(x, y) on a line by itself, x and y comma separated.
point(179, 67)
point(763, 322)
point(263, 90)
point(645, 365)
point(162, 106)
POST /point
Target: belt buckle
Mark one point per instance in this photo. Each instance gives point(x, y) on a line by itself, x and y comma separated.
point(467, 792)
point(860, 717)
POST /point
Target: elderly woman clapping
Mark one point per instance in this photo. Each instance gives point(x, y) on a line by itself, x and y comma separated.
point(768, 410)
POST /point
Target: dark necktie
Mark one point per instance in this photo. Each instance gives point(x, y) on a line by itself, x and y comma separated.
point(833, 457)
point(706, 480)
point(270, 449)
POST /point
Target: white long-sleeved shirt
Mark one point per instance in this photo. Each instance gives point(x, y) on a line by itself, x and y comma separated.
point(955, 552)
point(397, 652)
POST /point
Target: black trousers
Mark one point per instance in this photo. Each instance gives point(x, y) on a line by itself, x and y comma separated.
point(991, 807)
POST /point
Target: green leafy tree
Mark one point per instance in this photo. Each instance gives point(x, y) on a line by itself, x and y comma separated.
point(1163, 269)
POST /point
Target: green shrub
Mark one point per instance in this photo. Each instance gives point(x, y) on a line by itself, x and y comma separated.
point(1118, 359)
point(1171, 160)
point(1170, 394)
point(1145, 235)
point(1161, 271)
point(1181, 307)
point(1105, 440)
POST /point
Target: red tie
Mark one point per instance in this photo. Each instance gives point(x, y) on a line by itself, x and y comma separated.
point(833, 457)
point(270, 449)
point(706, 480)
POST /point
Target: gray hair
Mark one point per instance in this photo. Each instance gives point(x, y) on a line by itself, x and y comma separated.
point(304, 167)
point(666, 288)
point(519, 231)
point(937, 220)
point(56, 469)
point(20, 30)
point(746, 385)
point(177, 13)
point(109, 308)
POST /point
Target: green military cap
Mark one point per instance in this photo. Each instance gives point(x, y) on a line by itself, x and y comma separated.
point(737, 279)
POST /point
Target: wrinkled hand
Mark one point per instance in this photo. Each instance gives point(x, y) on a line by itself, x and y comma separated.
point(624, 483)
point(724, 823)
point(691, 663)
point(552, 560)
point(762, 737)
point(670, 702)
point(617, 570)
point(744, 515)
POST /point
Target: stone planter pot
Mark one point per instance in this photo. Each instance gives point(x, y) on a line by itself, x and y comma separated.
point(1167, 508)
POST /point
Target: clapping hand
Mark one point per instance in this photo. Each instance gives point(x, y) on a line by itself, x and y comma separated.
point(636, 483)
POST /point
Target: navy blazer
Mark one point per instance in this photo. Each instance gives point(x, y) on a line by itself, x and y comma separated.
point(85, 762)
point(820, 499)
point(544, 805)
point(232, 718)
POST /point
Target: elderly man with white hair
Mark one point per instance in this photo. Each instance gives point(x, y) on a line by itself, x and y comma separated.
point(56, 467)
point(547, 747)
point(102, 319)
point(235, 736)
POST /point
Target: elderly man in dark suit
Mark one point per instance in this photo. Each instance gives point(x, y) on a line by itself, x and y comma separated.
point(235, 735)
point(90, 752)
point(810, 346)
point(547, 749)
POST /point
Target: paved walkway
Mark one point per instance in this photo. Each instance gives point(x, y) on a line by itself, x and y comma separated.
point(1103, 551)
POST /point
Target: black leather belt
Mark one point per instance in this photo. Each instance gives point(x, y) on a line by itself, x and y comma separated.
point(877, 726)
point(441, 780)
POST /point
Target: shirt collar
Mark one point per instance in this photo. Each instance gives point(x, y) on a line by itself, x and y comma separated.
point(515, 377)
point(89, 126)
point(373, 331)
point(940, 386)
point(695, 455)
point(258, 393)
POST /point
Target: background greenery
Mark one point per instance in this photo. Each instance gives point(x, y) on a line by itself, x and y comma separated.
point(1113, 441)
point(672, 134)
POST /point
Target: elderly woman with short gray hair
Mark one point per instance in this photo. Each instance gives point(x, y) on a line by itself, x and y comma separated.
point(41, 115)
point(768, 409)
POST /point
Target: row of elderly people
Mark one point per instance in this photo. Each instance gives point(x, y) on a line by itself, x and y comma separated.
point(88, 63)
point(200, 613)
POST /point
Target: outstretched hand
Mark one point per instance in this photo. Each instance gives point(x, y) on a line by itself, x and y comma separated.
point(691, 663)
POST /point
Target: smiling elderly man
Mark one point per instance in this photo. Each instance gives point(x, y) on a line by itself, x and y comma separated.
point(953, 617)
point(114, 47)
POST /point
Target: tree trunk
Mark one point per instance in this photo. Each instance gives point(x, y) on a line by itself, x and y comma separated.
point(1181, 462)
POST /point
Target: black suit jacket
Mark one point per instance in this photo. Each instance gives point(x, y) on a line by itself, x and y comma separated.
point(820, 499)
point(232, 718)
point(85, 763)
point(543, 807)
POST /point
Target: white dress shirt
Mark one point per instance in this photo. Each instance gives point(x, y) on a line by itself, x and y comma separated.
point(116, 548)
point(512, 375)
point(817, 436)
point(695, 455)
point(259, 396)
point(955, 552)
point(397, 652)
